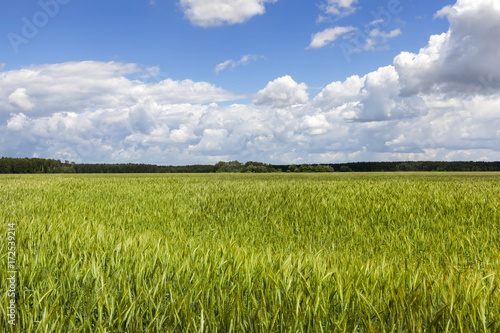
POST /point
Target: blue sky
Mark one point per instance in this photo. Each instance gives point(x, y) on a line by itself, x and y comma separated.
point(160, 35)
point(193, 81)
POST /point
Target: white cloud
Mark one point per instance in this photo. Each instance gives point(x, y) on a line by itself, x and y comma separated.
point(209, 13)
point(223, 65)
point(420, 108)
point(140, 117)
point(457, 60)
point(316, 124)
point(20, 99)
point(340, 7)
point(376, 22)
point(376, 36)
point(370, 44)
point(373, 97)
point(17, 122)
point(212, 141)
point(245, 60)
point(386, 35)
point(327, 36)
point(282, 92)
point(2, 66)
point(339, 93)
point(89, 85)
point(183, 134)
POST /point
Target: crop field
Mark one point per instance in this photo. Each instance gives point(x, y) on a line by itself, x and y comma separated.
point(341, 252)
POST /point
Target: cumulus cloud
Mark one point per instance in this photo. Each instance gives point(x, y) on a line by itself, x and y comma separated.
point(20, 99)
point(456, 61)
point(90, 85)
point(373, 97)
point(140, 119)
point(327, 36)
point(210, 13)
point(420, 108)
point(17, 122)
point(212, 141)
point(245, 60)
point(282, 92)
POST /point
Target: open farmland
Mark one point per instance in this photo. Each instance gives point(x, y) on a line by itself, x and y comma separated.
point(386, 252)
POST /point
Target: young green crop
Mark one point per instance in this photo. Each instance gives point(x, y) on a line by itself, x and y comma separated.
point(389, 252)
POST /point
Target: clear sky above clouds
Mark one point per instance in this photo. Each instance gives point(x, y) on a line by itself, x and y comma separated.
point(278, 81)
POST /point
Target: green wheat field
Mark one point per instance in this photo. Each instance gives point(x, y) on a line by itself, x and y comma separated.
point(342, 252)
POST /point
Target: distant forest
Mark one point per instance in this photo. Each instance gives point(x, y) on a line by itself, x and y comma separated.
point(40, 165)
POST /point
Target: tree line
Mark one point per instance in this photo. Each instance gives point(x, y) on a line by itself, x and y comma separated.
point(396, 166)
point(9, 165)
point(34, 165)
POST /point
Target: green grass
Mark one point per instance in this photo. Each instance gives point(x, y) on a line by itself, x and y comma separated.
point(388, 252)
